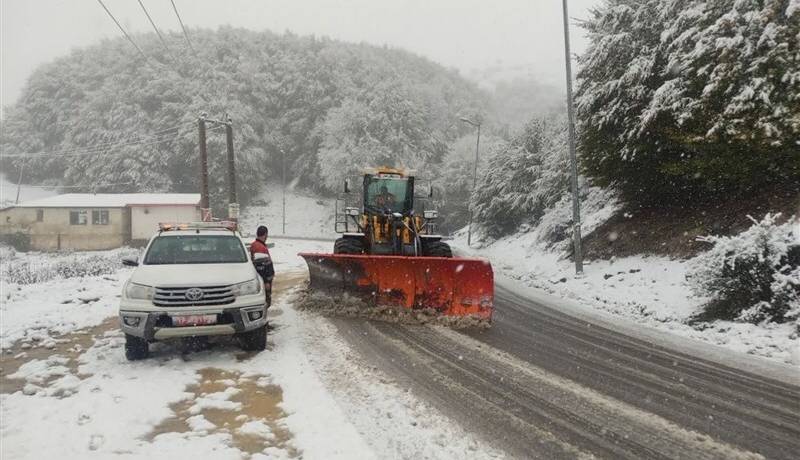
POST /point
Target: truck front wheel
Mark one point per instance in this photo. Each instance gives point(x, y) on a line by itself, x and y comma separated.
point(135, 348)
point(255, 340)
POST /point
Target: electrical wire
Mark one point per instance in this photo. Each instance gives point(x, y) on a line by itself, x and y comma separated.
point(94, 150)
point(158, 32)
point(80, 185)
point(123, 31)
point(185, 33)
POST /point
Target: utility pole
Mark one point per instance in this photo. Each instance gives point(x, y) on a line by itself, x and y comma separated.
point(19, 179)
point(576, 206)
point(283, 188)
point(233, 204)
point(204, 202)
point(474, 175)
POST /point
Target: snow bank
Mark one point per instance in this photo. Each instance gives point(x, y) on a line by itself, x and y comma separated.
point(648, 290)
point(306, 215)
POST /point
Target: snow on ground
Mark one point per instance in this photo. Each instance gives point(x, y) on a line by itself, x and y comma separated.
point(646, 289)
point(8, 191)
point(305, 396)
point(36, 312)
point(306, 215)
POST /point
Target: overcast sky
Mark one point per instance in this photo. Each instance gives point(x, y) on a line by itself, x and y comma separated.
point(522, 37)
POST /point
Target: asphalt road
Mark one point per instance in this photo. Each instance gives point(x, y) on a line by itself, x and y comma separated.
point(544, 384)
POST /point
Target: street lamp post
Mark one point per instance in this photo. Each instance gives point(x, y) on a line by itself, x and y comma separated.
point(283, 183)
point(283, 192)
point(474, 176)
point(576, 209)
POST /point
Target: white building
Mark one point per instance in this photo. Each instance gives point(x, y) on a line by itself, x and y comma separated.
point(86, 221)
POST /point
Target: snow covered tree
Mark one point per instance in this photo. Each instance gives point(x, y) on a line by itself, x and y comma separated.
point(687, 96)
point(523, 178)
point(753, 276)
point(386, 127)
point(453, 179)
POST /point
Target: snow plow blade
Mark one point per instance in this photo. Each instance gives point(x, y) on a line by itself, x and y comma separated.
point(451, 286)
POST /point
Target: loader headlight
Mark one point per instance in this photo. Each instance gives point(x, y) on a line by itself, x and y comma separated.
point(432, 214)
point(247, 288)
point(139, 291)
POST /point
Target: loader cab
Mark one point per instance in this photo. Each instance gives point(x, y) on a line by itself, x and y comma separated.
point(388, 193)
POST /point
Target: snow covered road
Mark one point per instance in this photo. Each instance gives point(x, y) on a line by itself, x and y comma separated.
point(545, 384)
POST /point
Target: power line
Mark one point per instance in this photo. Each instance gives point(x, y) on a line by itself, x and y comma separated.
point(123, 31)
point(94, 149)
point(185, 33)
point(158, 32)
point(80, 185)
point(100, 146)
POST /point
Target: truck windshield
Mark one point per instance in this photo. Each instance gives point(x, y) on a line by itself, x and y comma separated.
point(386, 195)
point(195, 249)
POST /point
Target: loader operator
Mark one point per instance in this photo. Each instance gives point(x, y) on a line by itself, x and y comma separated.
point(267, 271)
point(385, 200)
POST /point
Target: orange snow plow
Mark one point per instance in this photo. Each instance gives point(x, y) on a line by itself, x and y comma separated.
point(450, 286)
point(389, 254)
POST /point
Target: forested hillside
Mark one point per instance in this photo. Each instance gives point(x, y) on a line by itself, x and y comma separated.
point(103, 115)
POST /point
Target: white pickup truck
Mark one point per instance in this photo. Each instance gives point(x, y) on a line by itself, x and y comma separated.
point(193, 280)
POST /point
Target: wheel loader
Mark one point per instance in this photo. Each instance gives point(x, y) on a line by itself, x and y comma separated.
point(389, 253)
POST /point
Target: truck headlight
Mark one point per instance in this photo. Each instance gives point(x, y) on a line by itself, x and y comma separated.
point(247, 288)
point(139, 291)
point(430, 214)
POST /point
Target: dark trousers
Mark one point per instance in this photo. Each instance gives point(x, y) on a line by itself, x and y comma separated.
point(268, 290)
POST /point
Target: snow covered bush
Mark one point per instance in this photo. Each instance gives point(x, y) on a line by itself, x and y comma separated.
point(753, 276)
point(679, 97)
point(32, 269)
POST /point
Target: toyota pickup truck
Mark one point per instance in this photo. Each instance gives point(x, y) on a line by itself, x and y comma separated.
point(194, 280)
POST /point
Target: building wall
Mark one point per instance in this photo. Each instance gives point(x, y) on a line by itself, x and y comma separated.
point(55, 231)
point(145, 219)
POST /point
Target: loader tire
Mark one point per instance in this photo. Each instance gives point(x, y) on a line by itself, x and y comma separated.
point(348, 246)
point(437, 249)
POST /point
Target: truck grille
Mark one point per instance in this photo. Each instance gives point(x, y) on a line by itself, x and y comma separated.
point(176, 296)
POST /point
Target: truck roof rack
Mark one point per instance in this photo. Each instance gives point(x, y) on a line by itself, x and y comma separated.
point(218, 225)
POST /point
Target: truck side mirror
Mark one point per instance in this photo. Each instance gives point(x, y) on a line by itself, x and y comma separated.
point(130, 261)
point(430, 190)
point(347, 186)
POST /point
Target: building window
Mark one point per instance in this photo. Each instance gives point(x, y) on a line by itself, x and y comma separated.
point(100, 217)
point(40, 215)
point(77, 218)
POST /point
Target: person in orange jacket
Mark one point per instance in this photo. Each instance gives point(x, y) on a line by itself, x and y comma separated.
point(267, 271)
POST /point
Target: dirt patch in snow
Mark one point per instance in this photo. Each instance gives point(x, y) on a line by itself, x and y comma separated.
point(673, 230)
point(66, 348)
point(353, 307)
point(245, 406)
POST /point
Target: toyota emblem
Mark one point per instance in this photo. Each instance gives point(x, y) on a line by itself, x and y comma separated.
point(194, 294)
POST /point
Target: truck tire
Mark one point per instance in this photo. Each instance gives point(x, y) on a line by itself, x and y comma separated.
point(348, 246)
point(135, 348)
point(255, 340)
point(437, 249)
